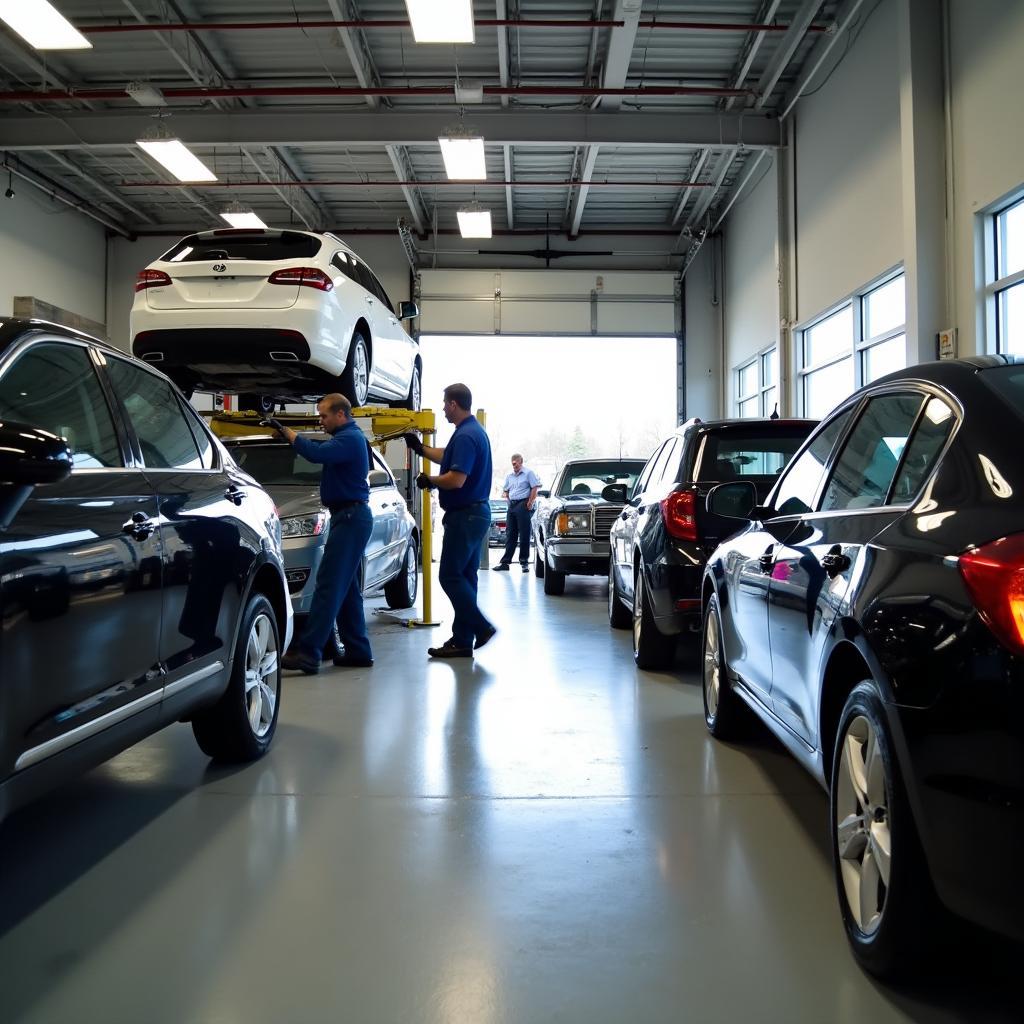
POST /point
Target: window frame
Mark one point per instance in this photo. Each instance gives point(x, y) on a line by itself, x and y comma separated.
point(761, 388)
point(996, 286)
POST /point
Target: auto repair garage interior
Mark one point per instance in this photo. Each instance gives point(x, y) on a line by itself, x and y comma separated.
point(804, 195)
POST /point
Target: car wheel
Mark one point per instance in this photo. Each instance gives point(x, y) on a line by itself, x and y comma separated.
point(413, 400)
point(651, 649)
point(249, 402)
point(618, 613)
point(401, 591)
point(885, 897)
point(240, 726)
point(538, 564)
point(355, 381)
point(554, 581)
point(723, 710)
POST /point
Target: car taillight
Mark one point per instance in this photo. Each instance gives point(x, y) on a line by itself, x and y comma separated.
point(994, 575)
point(151, 279)
point(678, 513)
point(308, 277)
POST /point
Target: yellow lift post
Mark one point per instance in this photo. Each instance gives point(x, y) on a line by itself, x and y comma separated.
point(387, 424)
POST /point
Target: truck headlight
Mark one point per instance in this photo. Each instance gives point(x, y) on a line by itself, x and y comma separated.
point(569, 523)
point(304, 526)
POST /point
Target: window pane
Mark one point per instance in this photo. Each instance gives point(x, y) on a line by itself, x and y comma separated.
point(829, 338)
point(771, 399)
point(824, 389)
point(749, 409)
point(54, 387)
point(746, 380)
point(800, 483)
point(273, 246)
point(158, 419)
point(745, 452)
point(885, 308)
point(885, 358)
point(1010, 226)
point(1011, 320)
point(867, 464)
point(923, 449)
point(769, 367)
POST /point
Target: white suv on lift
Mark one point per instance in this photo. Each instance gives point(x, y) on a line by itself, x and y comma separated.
point(274, 316)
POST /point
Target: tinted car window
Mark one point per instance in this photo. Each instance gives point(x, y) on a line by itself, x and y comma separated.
point(159, 421)
point(202, 439)
point(278, 464)
point(867, 464)
point(55, 387)
point(734, 454)
point(799, 484)
point(641, 484)
point(593, 477)
point(346, 265)
point(668, 463)
point(288, 245)
point(1007, 381)
point(923, 449)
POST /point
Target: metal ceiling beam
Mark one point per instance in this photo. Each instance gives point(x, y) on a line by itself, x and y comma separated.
point(707, 197)
point(330, 129)
point(787, 46)
point(738, 188)
point(503, 78)
point(99, 185)
point(694, 175)
point(767, 12)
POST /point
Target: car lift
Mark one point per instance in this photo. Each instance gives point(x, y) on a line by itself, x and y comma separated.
point(386, 424)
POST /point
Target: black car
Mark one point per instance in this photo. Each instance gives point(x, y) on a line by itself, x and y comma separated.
point(141, 574)
point(871, 612)
point(662, 538)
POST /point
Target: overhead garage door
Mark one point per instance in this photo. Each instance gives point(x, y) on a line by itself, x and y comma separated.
point(548, 302)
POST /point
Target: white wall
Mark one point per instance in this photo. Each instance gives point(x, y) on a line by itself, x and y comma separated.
point(703, 333)
point(51, 252)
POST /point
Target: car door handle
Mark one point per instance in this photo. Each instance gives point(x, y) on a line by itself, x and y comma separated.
point(140, 526)
point(835, 562)
point(235, 494)
point(766, 560)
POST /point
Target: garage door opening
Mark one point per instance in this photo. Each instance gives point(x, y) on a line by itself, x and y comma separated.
point(554, 399)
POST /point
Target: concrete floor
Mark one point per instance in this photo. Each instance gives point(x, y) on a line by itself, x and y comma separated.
point(546, 834)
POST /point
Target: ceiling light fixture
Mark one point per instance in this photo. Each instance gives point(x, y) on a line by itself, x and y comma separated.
point(474, 221)
point(42, 26)
point(173, 154)
point(463, 153)
point(145, 95)
point(441, 21)
point(239, 216)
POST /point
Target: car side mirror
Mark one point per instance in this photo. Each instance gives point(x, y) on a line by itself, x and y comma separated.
point(30, 456)
point(378, 478)
point(733, 500)
point(408, 310)
point(543, 494)
point(614, 493)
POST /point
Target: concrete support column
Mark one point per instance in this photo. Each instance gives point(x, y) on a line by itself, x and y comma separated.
point(923, 150)
point(786, 266)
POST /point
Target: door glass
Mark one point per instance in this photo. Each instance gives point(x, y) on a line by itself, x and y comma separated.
point(799, 486)
point(54, 386)
point(346, 265)
point(923, 449)
point(158, 419)
point(868, 462)
point(645, 473)
point(664, 469)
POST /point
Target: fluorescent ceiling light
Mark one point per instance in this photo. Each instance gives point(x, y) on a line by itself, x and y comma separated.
point(177, 158)
point(441, 21)
point(475, 222)
point(42, 26)
point(464, 158)
point(242, 219)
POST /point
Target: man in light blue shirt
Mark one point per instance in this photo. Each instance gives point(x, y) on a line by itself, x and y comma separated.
point(520, 488)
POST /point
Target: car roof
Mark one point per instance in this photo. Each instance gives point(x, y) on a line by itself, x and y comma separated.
point(948, 372)
point(607, 458)
point(14, 329)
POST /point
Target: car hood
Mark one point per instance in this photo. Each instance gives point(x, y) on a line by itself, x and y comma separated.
point(295, 501)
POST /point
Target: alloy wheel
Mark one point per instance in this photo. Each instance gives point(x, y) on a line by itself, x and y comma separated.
point(863, 835)
point(411, 575)
point(417, 397)
point(360, 374)
point(262, 678)
point(712, 668)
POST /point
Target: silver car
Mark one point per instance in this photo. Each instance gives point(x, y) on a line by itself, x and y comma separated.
point(391, 559)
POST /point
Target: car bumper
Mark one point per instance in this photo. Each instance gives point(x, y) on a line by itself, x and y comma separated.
point(578, 557)
point(302, 557)
point(674, 585)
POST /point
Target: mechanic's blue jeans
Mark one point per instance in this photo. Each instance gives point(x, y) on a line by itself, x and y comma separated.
point(337, 597)
point(464, 532)
point(518, 531)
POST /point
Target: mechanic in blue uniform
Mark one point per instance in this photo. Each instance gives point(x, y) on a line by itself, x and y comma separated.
point(344, 491)
point(463, 485)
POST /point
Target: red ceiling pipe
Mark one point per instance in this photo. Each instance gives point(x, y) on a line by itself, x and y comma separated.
point(281, 92)
point(529, 183)
point(531, 23)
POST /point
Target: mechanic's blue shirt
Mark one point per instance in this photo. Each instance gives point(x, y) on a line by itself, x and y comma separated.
point(346, 461)
point(469, 452)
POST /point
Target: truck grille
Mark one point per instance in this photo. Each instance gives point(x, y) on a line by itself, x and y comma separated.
point(604, 517)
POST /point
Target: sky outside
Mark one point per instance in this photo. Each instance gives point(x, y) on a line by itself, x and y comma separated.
point(554, 398)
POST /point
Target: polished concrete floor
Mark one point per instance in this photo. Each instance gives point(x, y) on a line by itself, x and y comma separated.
point(544, 834)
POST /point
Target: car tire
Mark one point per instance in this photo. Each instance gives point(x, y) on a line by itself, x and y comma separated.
point(888, 906)
point(538, 564)
point(401, 591)
point(250, 402)
point(241, 725)
point(554, 581)
point(618, 614)
point(414, 399)
point(651, 648)
point(723, 709)
point(354, 383)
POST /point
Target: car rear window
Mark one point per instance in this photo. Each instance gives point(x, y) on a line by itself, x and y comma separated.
point(274, 464)
point(734, 454)
point(283, 245)
point(593, 477)
point(1007, 382)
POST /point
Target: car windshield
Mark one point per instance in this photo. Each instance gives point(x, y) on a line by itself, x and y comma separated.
point(276, 464)
point(734, 454)
point(585, 478)
point(273, 246)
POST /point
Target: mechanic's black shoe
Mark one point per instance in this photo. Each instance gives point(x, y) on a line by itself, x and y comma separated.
point(500, 567)
point(483, 638)
point(344, 661)
point(525, 565)
point(296, 661)
point(450, 649)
